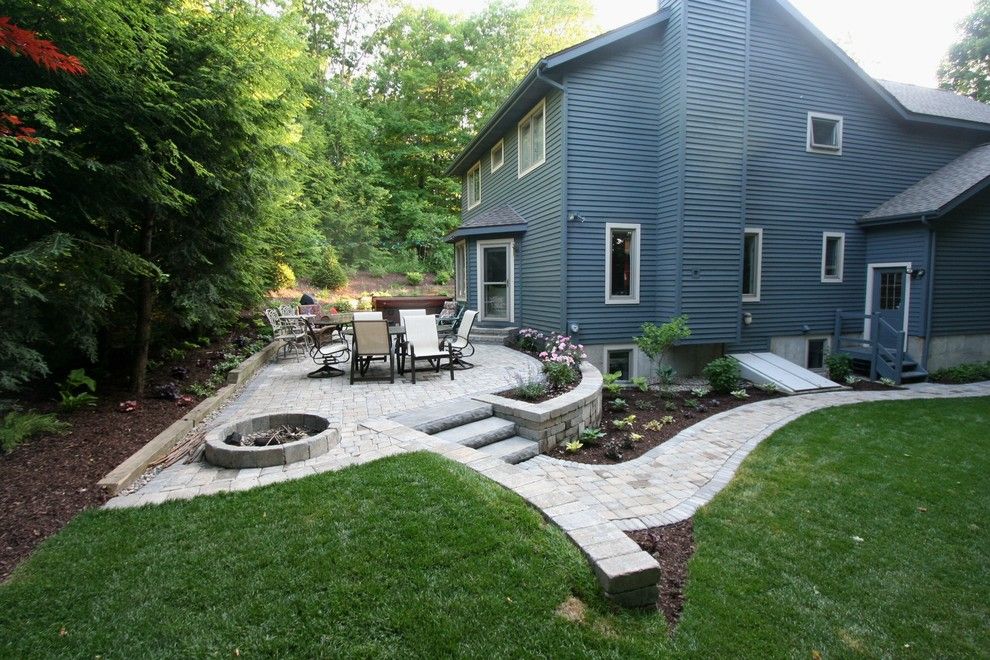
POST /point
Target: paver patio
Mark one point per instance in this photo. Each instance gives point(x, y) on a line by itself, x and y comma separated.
point(665, 485)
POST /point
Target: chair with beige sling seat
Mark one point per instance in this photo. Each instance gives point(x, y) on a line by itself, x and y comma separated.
point(371, 342)
point(423, 343)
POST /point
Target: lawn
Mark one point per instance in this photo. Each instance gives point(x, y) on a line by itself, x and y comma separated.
point(860, 530)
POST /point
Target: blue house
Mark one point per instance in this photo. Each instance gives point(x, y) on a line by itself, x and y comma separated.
point(725, 160)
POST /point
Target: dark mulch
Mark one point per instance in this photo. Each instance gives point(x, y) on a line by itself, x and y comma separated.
point(672, 546)
point(870, 385)
point(685, 409)
point(550, 394)
point(47, 480)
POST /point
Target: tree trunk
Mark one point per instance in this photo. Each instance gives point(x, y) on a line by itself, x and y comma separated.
point(146, 302)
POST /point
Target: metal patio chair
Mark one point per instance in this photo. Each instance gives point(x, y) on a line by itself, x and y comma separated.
point(371, 342)
point(423, 343)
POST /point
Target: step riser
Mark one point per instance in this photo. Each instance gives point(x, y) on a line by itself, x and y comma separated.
point(479, 434)
point(513, 450)
point(446, 423)
point(444, 417)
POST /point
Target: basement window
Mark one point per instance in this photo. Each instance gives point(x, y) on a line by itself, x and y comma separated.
point(824, 133)
point(816, 353)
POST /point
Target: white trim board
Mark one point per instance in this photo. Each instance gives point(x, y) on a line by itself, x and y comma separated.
point(870, 276)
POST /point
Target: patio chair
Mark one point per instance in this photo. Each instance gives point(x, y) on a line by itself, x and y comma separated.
point(450, 317)
point(460, 344)
point(310, 310)
point(286, 310)
point(406, 313)
point(328, 348)
point(367, 316)
point(371, 341)
point(290, 334)
point(423, 343)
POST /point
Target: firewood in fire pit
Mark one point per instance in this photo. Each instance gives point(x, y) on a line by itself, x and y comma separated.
point(279, 435)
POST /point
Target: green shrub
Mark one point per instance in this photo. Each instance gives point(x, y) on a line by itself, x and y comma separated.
point(971, 372)
point(531, 391)
point(591, 436)
point(723, 374)
point(610, 383)
point(285, 277)
point(329, 274)
point(657, 340)
point(642, 384)
point(559, 374)
point(443, 277)
point(414, 278)
point(378, 270)
point(19, 426)
point(839, 366)
point(77, 391)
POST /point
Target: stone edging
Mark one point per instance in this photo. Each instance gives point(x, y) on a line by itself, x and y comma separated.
point(552, 421)
point(134, 466)
point(219, 453)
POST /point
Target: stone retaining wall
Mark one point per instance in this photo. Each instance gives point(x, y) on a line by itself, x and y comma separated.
point(559, 419)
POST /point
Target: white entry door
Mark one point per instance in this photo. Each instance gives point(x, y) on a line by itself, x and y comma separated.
point(495, 268)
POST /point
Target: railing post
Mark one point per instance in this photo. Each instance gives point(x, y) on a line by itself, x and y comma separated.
point(899, 366)
point(874, 344)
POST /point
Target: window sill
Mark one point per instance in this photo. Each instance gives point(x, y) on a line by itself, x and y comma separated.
point(532, 167)
point(622, 301)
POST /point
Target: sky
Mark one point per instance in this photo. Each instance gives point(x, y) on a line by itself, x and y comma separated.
point(902, 40)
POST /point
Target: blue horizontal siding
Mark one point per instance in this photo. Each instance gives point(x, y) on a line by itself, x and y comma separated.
point(962, 270)
point(906, 243)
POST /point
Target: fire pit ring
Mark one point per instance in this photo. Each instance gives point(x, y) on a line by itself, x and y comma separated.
point(221, 454)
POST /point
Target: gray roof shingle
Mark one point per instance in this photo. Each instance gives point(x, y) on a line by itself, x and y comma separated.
point(937, 102)
point(936, 193)
point(496, 217)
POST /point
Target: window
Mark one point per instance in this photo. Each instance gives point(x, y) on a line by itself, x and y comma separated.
point(474, 186)
point(620, 358)
point(833, 254)
point(498, 155)
point(752, 264)
point(891, 290)
point(824, 133)
point(460, 271)
point(532, 134)
point(621, 264)
point(816, 353)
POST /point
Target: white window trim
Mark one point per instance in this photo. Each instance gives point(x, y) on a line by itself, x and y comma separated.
point(758, 231)
point(870, 275)
point(825, 352)
point(511, 272)
point(822, 148)
point(500, 143)
point(633, 358)
point(840, 263)
point(460, 275)
point(467, 182)
point(521, 172)
point(633, 297)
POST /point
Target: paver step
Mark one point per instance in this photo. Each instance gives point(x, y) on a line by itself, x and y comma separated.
point(480, 433)
point(443, 416)
point(513, 450)
point(914, 376)
point(490, 335)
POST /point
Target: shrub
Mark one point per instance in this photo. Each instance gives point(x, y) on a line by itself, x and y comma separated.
point(839, 366)
point(560, 348)
point(329, 274)
point(971, 372)
point(642, 384)
point(531, 340)
point(610, 383)
point(443, 277)
point(723, 374)
point(70, 396)
point(657, 340)
point(19, 426)
point(531, 391)
point(559, 374)
point(414, 278)
point(285, 277)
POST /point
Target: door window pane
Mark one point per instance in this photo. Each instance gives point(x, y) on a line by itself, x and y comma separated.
point(622, 244)
point(621, 361)
point(496, 301)
point(891, 290)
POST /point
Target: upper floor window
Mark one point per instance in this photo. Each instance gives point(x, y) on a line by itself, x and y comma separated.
point(621, 264)
point(833, 254)
point(752, 270)
point(474, 186)
point(498, 155)
point(824, 133)
point(460, 270)
point(532, 139)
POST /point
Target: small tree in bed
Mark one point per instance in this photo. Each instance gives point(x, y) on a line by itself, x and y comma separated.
point(657, 340)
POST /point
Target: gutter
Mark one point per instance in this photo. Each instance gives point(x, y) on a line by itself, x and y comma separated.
point(930, 302)
point(563, 194)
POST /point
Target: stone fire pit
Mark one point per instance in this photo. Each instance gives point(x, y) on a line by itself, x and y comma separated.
point(220, 451)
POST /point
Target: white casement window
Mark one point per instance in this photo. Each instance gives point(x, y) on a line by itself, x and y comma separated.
point(474, 185)
point(621, 359)
point(532, 139)
point(498, 155)
point(460, 271)
point(621, 264)
point(752, 270)
point(833, 256)
point(824, 133)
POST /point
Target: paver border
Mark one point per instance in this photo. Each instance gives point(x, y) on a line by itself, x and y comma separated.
point(222, 455)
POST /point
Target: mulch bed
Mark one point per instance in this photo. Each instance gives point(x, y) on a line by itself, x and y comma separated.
point(47, 480)
point(672, 546)
point(684, 408)
point(870, 385)
point(550, 394)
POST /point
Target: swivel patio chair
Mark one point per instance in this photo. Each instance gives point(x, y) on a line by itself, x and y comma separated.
point(423, 343)
point(406, 313)
point(328, 348)
point(460, 344)
point(371, 342)
point(367, 316)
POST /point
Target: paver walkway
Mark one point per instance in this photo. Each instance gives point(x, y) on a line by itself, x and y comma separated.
point(665, 485)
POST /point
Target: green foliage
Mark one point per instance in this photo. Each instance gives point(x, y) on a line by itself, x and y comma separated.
point(329, 274)
point(768, 388)
point(76, 391)
point(966, 67)
point(740, 394)
point(839, 366)
point(591, 436)
point(641, 383)
point(285, 277)
point(443, 277)
point(20, 426)
point(972, 372)
point(559, 374)
point(657, 340)
point(723, 374)
point(618, 404)
point(625, 423)
point(414, 278)
point(610, 383)
point(531, 391)
point(573, 447)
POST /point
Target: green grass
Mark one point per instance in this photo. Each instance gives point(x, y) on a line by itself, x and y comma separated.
point(416, 556)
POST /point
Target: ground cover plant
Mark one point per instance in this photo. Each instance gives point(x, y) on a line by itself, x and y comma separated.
point(847, 532)
point(972, 372)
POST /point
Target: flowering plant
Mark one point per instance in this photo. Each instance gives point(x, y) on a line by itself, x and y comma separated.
point(560, 348)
